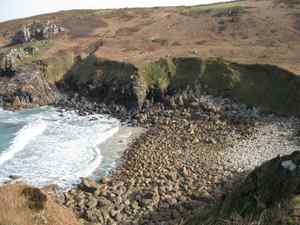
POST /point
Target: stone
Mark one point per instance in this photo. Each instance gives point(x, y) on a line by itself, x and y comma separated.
point(27, 88)
point(135, 205)
point(36, 31)
point(92, 203)
point(88, 185)
point(202, 196)
point(104, 202)
point(294, 210)
point(105, 180)
point(289, 165)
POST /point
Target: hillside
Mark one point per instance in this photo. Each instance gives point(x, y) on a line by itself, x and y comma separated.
point(217, 87)
point(252, 31)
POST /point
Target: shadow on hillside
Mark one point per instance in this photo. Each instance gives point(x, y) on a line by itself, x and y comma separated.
point(268, 87)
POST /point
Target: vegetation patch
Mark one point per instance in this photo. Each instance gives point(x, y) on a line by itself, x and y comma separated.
point(220, 77)
point(161, 41)
point(35, 50)
point(269, 87)
point(81, 26)
point(187, 72)
point(55, 68)
point(266, 86)
point(126, 31)
point(122, 14)
point(218, 9)
point(158, 75)
point(290, 3)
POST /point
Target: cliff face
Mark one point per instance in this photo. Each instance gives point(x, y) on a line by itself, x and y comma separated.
point(26, 87)
point(108, 81)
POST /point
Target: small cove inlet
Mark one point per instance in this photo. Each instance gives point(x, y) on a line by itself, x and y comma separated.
point(44, 146)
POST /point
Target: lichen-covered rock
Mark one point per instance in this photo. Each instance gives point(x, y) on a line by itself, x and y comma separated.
point(8, 61)
point(11, 57)
point(26, 88)
point(294, 210)
point(36, 31)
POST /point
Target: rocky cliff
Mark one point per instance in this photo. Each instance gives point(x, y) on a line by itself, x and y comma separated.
point(26, 87)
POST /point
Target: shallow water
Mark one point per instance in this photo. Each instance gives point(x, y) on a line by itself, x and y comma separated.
point(44, 146)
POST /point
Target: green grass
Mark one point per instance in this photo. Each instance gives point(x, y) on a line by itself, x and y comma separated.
point(58, 66)
point(220, 77)
point(158, 74)
point(187, 72)
point(41, 47)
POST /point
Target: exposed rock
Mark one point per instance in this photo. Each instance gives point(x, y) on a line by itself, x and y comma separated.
point(8, 62)
point(36, 31)
point(88, 185)
point(10, 58)
point(109, 81)
point(294, 210)
point(26, 88)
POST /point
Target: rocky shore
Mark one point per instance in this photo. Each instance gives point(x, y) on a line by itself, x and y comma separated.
point(196, 148)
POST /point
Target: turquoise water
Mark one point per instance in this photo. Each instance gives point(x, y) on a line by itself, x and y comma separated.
point(44, 146)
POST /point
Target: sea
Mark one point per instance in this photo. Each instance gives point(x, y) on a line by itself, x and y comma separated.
point(46, 146)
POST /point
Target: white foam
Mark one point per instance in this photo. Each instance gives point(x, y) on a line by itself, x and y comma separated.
point(23, 137)
point(56, 149)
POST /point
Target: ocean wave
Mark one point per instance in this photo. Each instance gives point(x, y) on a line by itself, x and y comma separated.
point(55, 148)
point(23, 137)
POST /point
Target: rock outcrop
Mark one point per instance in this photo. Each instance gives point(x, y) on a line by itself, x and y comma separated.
point(108, 81)
point(36, 31)
point(27, 87)
point(11, 57)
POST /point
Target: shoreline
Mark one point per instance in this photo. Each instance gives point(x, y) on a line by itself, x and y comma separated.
point(113, 148)
point(178, 164)
point(110, 149)
point(184, 160)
